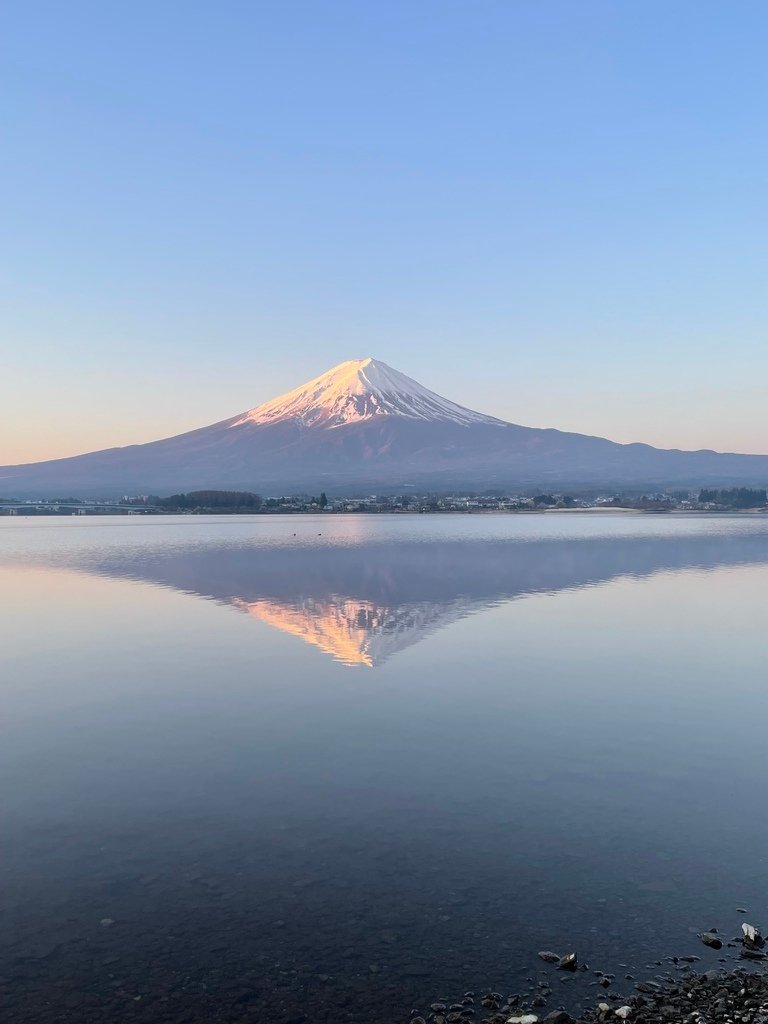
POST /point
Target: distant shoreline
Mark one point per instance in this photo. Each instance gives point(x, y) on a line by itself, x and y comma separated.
point(243, 514)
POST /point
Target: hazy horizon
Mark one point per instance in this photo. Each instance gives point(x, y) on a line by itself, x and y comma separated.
point(549, 213)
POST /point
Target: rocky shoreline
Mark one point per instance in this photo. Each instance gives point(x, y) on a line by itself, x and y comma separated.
point(727, 995)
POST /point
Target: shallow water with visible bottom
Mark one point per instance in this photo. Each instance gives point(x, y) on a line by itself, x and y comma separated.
point(331, 768)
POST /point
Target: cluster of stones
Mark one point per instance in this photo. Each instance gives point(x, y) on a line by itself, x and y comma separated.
point(495, 1007)
point(717, 997)
point(457, 1013)
point(711, 998)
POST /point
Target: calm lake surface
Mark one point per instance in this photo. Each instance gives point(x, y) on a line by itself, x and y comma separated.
point(259, 768)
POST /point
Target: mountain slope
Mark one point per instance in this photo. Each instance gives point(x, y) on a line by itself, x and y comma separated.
point(364, 426)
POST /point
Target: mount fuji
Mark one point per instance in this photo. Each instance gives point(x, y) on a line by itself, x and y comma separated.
point(364, 426)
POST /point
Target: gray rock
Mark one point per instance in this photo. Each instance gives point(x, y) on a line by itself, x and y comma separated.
point(752, 936)
point(752, 954)
point(649, 987)
point(548, 957)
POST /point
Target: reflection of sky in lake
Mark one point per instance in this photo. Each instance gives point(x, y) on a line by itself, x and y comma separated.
point(579, 766)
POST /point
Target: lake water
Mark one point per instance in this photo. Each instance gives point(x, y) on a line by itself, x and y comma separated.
point(330, 768)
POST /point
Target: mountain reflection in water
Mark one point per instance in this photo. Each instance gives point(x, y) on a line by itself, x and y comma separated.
point(362, 603)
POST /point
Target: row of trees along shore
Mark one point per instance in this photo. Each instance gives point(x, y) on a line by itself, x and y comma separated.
point(247, 501)
point(735, 497)
point(224, 502)
point(219, 501)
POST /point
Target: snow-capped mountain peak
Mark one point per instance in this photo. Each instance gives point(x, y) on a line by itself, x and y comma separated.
point(361, 389)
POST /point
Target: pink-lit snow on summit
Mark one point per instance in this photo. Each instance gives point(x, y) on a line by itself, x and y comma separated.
point(361, 389)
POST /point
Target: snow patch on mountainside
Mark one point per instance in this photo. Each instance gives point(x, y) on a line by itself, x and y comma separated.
point(361, 389)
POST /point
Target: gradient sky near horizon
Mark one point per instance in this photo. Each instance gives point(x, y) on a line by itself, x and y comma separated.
point(551, 211)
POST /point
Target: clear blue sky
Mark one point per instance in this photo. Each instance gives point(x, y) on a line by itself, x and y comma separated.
point(550, 210)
